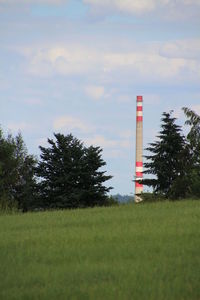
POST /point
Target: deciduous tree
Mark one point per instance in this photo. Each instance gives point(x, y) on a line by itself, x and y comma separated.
point(16, 172)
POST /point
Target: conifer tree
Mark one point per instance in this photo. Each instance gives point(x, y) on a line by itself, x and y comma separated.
point(70, 174)
point(166, 161)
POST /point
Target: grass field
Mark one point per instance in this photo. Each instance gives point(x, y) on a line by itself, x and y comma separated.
point(149, 251)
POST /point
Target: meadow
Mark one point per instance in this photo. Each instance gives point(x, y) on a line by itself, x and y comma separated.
point(145, 251)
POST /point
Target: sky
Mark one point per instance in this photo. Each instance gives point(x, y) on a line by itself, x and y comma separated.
point(76, 66)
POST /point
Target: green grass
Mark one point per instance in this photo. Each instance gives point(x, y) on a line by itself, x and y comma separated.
point(147, 251)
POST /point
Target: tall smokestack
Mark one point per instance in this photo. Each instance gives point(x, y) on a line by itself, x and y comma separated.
point(139, 149)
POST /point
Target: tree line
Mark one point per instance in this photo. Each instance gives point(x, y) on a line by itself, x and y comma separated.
point(71, 175)
point(68, 175)
point(174, 158)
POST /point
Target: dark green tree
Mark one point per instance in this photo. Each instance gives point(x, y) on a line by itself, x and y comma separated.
point(25, 181)
point(7, 170)
point(70, 174)
point(193, 140)
point(167, 159)
point(16, 172)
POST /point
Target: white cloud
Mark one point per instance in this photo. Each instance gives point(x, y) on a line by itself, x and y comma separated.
point(114, 144)
point(127, 6)
point(18, 2)
point(165, 8)
point(173, 62)
point(173, 7)
point(112, 148)
point(186, 49)
point(65, 60)
point(69, 123)
point(100, 140)
point(149, 65)
point(94, 91)
point(190, 2)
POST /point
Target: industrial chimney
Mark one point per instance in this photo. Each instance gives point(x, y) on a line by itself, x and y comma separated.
point(139, 149)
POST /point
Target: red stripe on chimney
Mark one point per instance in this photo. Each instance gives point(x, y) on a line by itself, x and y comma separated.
point(139, 119)
point(139, 98)
point(139, 174)
point(139, 108)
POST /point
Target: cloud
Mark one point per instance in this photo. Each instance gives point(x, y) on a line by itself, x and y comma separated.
point(172, 7)
point(100, 140)
point(18, 2)
point(146, 65)
point(65, 60)
point(186, 49)
point(112, 148)
point(169, 62)
point(115, 144)
point(109, 93)
point(70, 123)
point(190, 2)
point(127, 6)
point(95, 92)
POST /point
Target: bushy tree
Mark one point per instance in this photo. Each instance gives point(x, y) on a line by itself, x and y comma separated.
point(25, 185)
point(70, 174)
point(193, 144)
point(7, 170)
point(167, 159)
point(16, 172)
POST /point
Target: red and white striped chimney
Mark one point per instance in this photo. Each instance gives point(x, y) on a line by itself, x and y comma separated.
point(139, 149)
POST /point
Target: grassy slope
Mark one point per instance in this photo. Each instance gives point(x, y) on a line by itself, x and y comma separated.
point(130, 252)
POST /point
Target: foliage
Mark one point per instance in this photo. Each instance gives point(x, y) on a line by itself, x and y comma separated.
point(167, 157)
point(70, 174)
point(175, 160)
point(194, 134)
point(152, 197)
point(112, 201)
point(7, 205)
point(16, 171)
point(123, 198)
point(193, 139)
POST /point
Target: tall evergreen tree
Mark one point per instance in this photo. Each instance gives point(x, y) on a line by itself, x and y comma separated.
point(69, 174)
point(166, 160)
